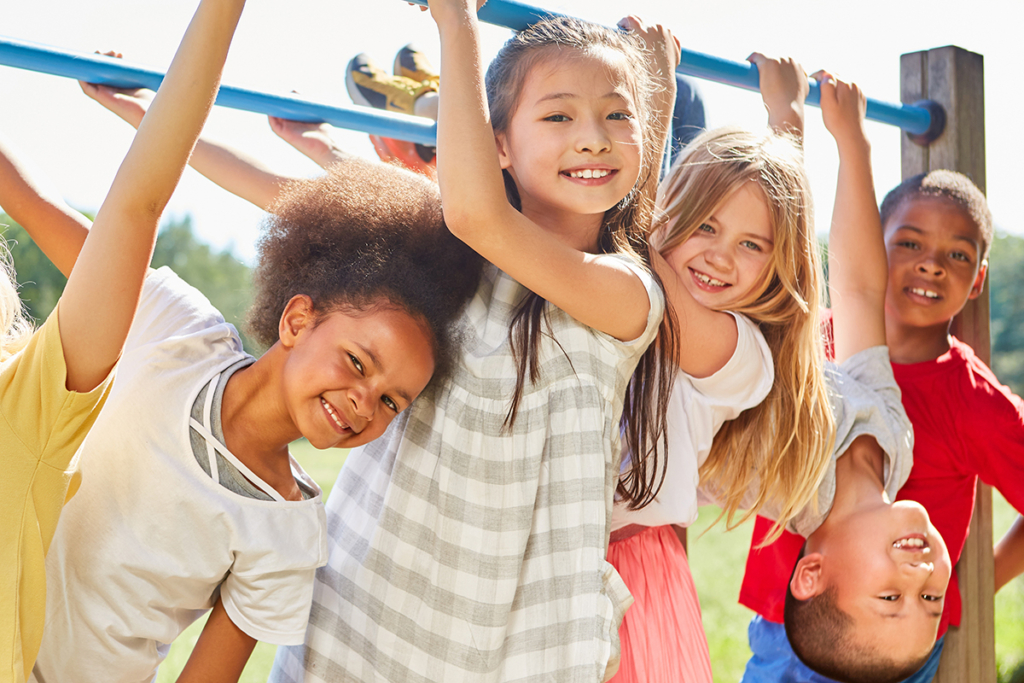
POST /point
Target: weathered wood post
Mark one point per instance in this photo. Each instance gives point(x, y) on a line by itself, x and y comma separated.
point(953, 77)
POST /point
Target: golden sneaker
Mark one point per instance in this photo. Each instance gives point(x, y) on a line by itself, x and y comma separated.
point(370, 86)
point(413, 64)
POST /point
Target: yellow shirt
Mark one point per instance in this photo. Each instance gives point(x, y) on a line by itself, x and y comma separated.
point(42, 424)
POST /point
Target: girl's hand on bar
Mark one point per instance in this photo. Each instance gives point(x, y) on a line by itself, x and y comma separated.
point(842, 108)
point(784, 88)
point(130, 104)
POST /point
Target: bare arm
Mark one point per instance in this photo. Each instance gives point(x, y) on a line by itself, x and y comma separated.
point(236, 172)
point(1009, 554)
point(858, 268)
point(663, 51)
point(58, 229)
point(102, 293)
point(220, 653)
point(596, 290)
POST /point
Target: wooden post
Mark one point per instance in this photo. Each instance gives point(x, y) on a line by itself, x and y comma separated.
point(953, 77)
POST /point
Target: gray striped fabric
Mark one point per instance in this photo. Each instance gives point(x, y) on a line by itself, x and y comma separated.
point(459, 552)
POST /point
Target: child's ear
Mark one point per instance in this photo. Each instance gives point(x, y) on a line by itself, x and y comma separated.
point(298, 315)
point(501, 140)
point(979, 281)
point(807, 581)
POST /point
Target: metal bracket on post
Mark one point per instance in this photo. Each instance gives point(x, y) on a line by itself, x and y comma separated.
point(935, 127)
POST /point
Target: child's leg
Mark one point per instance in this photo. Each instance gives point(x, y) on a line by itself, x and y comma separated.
point(662, 636)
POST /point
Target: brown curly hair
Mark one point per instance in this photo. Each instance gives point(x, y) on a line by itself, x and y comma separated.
point(363, 236)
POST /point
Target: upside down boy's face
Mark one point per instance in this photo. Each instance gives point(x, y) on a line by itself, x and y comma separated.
point(890, 569)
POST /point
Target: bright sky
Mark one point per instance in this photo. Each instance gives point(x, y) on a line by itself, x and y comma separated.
point(304, 45)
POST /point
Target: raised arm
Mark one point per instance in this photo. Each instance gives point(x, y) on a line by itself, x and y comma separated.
point(596, 290)
point(857, 265)
point(99, 301)
point(236, 172)
point(663, 58)
point(58, 229)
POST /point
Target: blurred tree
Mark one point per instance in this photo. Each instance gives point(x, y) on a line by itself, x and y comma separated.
point(219, 275)
point(1006, 281)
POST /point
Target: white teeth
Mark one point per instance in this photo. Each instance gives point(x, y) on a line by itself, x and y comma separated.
point(334, 415)
point(709, 280)
point(589, 173)
point(909, 543)
point(924, 292)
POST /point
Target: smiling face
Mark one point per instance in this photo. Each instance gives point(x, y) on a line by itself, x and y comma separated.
point(890, 569)
point(349, 373)
point(573, 145)
point(726, 258)
point(935, 267)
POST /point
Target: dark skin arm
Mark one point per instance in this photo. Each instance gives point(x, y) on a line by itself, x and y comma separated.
point(221, 652)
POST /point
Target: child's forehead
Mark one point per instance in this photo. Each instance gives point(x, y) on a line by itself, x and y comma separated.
point(557, 60)
point(935, 214)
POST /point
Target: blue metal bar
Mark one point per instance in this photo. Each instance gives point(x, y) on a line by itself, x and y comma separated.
point(517, 16)
point(115, 72)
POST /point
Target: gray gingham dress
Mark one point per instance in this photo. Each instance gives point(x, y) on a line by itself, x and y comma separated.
point(459, 552)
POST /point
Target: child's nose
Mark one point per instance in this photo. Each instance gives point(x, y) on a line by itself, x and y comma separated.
point(930, 265)
point(363, 400)
point(718, 257)
point(592, 137)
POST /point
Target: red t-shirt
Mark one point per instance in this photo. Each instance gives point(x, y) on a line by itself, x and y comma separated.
point(966, 425)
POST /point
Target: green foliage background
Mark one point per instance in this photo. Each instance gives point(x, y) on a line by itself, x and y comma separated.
point(218, 274)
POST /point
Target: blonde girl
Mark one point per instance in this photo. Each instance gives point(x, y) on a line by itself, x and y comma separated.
point(469, 542)
point(749, 424)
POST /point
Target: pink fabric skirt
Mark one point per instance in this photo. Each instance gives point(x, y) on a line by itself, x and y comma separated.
point(662, 636)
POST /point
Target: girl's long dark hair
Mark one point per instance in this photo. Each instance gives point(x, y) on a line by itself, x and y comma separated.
point(623, 230)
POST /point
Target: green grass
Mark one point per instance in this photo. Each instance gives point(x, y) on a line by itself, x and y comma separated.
point(717, 559)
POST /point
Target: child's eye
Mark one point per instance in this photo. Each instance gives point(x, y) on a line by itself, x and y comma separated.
point(356, 363)
point(907, 245)
point(960, 256)
point(390, 403)
point(704, 227)
point(889, 598)
point(620, 116)
point(931, 598)
point(753, 246)
point(557, 118)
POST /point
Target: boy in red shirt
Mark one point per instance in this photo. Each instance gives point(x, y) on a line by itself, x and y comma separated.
point(967, 425)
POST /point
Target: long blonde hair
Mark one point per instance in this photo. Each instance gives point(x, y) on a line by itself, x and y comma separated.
point(15, 326)
point(781, 448)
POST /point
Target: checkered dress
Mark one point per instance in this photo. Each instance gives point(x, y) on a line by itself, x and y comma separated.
point(463, 552)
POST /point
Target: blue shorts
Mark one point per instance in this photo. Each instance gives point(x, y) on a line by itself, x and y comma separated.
point(775, 662)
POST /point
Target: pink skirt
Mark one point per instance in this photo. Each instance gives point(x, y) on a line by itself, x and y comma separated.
point(662, 636)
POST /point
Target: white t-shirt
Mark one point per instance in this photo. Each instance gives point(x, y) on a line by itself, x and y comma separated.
point(697, 410)
point(150, 539)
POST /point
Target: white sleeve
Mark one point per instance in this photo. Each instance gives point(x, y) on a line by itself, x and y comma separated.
point(744, 381)
point(697, 410)
point(269, 590)
point(655, 296)
point(169, 307)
